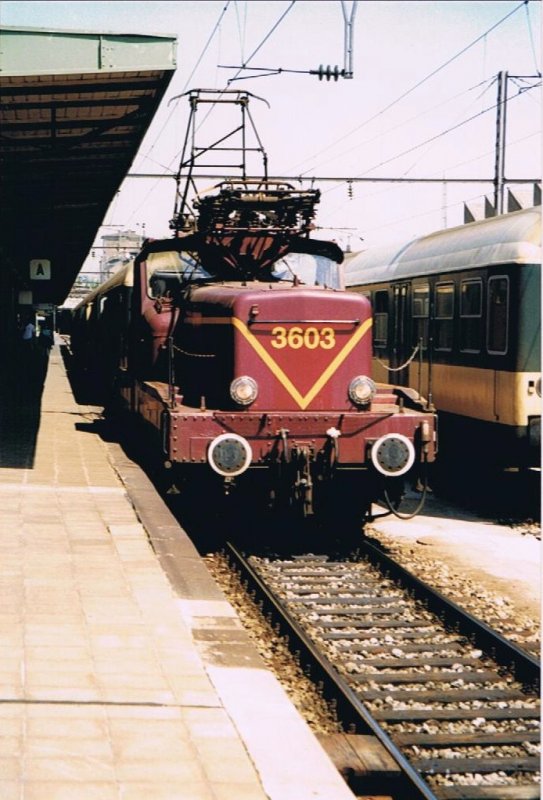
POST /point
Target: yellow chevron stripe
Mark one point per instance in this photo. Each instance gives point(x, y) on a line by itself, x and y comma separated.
point(302, 400)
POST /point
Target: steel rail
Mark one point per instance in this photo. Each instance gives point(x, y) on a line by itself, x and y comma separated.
point(353, 711)
point(525, 666)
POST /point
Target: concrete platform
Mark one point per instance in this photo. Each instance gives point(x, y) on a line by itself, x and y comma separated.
point(124, 672)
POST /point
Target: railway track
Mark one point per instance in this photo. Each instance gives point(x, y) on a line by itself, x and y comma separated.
point(453, 703)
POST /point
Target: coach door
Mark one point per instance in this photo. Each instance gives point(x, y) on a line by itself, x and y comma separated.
point(401, 340)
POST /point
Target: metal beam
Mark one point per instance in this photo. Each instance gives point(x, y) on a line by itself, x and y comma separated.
point(35, 51)
point(342, 178)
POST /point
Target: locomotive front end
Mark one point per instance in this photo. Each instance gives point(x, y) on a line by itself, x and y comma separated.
point(276, 381)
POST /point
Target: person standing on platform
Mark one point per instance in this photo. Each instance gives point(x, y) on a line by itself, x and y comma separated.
point(46, 336)
point(29, 332)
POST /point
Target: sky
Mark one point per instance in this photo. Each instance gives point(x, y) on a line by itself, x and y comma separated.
point(393, 118)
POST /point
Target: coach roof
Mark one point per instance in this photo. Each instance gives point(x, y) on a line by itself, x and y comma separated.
point(513, 238)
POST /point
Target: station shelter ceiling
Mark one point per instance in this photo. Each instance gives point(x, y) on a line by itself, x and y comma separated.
point(74, 108)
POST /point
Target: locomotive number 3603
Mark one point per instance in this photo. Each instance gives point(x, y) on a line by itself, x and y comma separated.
point(295, 338)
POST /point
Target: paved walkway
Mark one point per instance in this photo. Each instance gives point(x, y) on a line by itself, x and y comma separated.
point(113, 686)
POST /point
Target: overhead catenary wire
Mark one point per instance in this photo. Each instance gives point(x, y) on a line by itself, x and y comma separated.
point(420, 214)
point(523, 89)
point(434, 178)
point(489, 82)
point(414, 87)
point(401, 124)
point(198, 62)
point(419, 83)
point(241, 33)
point(305, 177)
point(174, 107)
point(255, 51)
point(434, 209)
point(436, 136)
point(530, 34)
point(443, 179)
point(433, 143)
point(253, 54)
point(264, 40)
point(212, 105)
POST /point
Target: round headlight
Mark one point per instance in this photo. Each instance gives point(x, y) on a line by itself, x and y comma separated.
point(229, 455)
point(243, 390)
point(393, 454)
point(362, 390)
point(538, 387)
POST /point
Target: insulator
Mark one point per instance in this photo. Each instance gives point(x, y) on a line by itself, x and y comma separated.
point(329, 72)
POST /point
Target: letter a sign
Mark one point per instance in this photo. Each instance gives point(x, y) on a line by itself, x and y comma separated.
point(40, 269)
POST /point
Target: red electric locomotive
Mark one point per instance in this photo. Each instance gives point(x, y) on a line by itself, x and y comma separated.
point(247, 372)
point(235, 342)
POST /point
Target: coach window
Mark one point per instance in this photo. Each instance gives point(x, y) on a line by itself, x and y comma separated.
point(380, 321)
point(471, 312)
point(420, 313)
point(444, 316)
point(498, 315)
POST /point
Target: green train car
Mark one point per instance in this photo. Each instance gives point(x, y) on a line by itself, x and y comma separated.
point(457, 317)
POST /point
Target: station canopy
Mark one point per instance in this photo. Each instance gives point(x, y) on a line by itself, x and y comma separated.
point(74, 108)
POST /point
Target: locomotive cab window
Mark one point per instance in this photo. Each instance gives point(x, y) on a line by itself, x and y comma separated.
point(380, 319)
point(444, 316)
point(310, 269)
point(167, 271)
point(421, 313)
point(471, 313)
point(498, 315)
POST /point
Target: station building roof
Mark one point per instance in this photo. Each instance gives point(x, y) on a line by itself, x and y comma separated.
point(74, 108)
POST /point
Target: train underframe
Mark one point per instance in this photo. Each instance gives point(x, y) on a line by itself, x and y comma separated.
point(498, 446)
point(308, 463)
